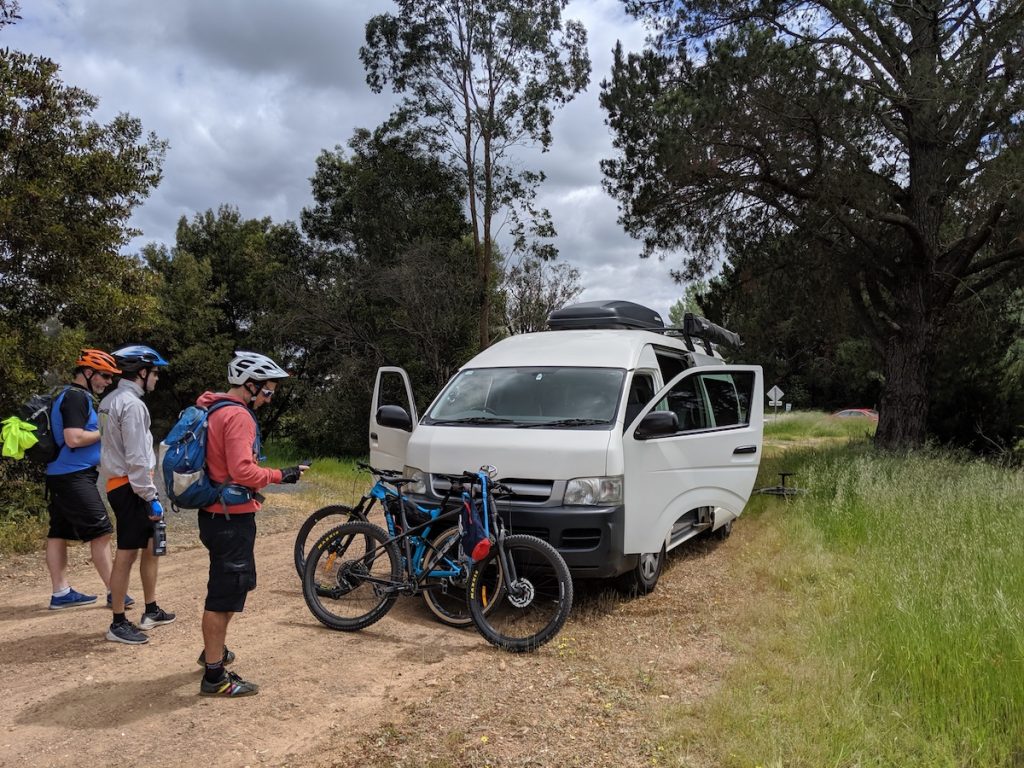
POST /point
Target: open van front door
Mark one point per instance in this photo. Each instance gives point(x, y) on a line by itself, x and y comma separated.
point(696, 444)
point(392, 418)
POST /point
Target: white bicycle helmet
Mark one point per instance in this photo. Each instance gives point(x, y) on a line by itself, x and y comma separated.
point(252, 366)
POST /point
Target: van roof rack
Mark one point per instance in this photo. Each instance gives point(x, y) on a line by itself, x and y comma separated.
point(628, 315)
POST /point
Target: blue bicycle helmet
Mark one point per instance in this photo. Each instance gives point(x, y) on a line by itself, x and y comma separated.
point(135, 357)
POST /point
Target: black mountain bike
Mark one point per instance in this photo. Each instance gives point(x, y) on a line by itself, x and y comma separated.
point(518, 594)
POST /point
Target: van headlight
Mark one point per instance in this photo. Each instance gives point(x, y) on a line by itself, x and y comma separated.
point(419, 478)
point(593, 491)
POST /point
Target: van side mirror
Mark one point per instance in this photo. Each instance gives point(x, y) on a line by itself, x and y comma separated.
point(657, 424)
point(394, 416)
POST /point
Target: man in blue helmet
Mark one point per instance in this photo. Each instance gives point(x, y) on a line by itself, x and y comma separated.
point(129, 461)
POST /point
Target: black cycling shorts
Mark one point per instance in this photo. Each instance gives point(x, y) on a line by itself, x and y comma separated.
point(230, 539)
point(131, 511)
point(76, 509)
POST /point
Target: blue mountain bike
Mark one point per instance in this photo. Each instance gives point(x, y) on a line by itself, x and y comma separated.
point(518, 594)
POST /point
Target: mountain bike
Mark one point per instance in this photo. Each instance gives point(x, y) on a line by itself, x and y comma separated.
point(447, 600)
point(328, 517)
point(518, 594)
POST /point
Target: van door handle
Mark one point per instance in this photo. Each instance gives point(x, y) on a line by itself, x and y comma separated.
point(373, 435)
point(746, 449)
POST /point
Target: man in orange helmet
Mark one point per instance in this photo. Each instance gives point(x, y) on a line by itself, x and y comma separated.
point(76, 509)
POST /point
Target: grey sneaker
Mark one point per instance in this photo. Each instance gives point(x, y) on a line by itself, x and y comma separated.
point(150, 620)
point(126, 632)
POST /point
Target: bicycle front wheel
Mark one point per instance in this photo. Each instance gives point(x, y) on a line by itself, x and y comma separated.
point(318, 523)
point(350, 576)
point(447, 597)
point(531, 608)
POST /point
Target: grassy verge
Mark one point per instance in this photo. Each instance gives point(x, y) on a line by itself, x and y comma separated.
point(812, 425)
point(884, 624)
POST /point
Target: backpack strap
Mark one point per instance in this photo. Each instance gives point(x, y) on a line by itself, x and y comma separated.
point(256, 446)
point(58, 434)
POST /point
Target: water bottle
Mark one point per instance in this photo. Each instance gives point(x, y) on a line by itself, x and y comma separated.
point(159, 538)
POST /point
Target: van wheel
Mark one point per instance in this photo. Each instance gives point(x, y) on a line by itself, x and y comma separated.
point(723, 533)
point(642, 578)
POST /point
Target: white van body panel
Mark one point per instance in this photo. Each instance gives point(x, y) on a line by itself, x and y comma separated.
point(671, 475)
point(388, 446)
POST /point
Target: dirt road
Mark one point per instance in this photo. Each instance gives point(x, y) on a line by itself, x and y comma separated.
point(405, 692)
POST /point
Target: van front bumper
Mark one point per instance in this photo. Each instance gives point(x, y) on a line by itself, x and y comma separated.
point(588, 538)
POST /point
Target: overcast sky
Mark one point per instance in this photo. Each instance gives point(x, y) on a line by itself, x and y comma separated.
point(247, 92)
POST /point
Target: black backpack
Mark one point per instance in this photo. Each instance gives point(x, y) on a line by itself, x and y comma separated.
point(37, 411)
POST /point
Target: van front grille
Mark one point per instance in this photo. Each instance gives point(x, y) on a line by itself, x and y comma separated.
point(580, 538)
point(540, 533)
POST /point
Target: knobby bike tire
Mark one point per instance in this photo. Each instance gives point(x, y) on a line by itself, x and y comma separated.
point(334, 582)
point(344, 515)
point(531, 610)
point(451, 605)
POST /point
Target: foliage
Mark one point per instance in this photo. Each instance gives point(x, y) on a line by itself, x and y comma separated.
point(887, 133)
point(386, 281)
point(533, 289)
point(689, 302)
point(67, 188)
point(883, 625)
point(483, 76)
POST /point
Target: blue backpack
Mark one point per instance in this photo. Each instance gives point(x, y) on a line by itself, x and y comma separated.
point(184, 459)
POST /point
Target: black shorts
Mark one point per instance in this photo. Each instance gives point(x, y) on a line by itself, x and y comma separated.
point(230, 541)
point(131, 511)
point(76, 509)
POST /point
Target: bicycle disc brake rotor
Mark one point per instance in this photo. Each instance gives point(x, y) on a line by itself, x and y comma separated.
point(521, 593)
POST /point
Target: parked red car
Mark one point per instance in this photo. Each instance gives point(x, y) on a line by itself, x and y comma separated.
point(858, 413)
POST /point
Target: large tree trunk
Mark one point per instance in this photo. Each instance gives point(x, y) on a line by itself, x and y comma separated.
point(903, 412)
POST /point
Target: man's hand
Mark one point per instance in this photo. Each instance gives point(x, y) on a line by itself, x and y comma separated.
point(292, 474)
point(156, 509)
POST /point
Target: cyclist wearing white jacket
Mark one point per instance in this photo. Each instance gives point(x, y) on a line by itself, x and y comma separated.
point(128, 458)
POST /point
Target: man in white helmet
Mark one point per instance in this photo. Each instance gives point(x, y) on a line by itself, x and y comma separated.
point(228, 529)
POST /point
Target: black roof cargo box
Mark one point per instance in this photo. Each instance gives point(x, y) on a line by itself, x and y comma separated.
point(605, 314)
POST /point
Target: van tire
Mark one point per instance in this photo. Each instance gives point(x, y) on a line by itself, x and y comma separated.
point(722, 533)
point(643, 577)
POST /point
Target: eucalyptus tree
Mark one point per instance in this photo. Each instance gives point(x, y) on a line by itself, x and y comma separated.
point(485, 76)
point(890, 132)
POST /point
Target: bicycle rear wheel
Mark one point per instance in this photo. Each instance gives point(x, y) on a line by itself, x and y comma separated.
point(449, 603)
point(348, 576)
point(318, 523)
point(530, 610)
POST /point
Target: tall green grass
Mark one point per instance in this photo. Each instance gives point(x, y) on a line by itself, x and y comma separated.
point(809, 425)
point(889, 624)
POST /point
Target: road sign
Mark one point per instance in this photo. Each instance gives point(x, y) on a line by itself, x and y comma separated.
point(775, 394)
point(775, 403)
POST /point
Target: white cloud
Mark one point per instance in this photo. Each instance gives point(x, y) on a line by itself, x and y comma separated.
point(247, 92)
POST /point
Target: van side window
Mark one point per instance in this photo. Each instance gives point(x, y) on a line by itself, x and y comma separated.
point(641, 390)
point(711, 400)
point(728, 406)
point(670, 365)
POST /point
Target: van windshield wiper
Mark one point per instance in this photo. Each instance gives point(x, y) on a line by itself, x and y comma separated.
point(476, 420)
point(566, 423)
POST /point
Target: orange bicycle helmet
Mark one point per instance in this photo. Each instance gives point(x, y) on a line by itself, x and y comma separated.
point(98, 360)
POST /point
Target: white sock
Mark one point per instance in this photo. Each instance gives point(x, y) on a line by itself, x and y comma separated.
point(62, 592)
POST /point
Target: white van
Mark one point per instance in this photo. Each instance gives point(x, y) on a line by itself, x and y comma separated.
point(620, 438)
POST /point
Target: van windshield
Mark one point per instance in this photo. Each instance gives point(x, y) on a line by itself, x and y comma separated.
point(554, 397)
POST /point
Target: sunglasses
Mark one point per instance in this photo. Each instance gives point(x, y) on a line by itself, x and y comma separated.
point(267, 393)
point(106, 376)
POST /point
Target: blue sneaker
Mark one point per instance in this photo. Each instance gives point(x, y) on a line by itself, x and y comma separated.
point(71, 600)
point(129, 601)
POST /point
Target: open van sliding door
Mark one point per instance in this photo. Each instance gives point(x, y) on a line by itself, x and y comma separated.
point(709, 460)
point(388, 444)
